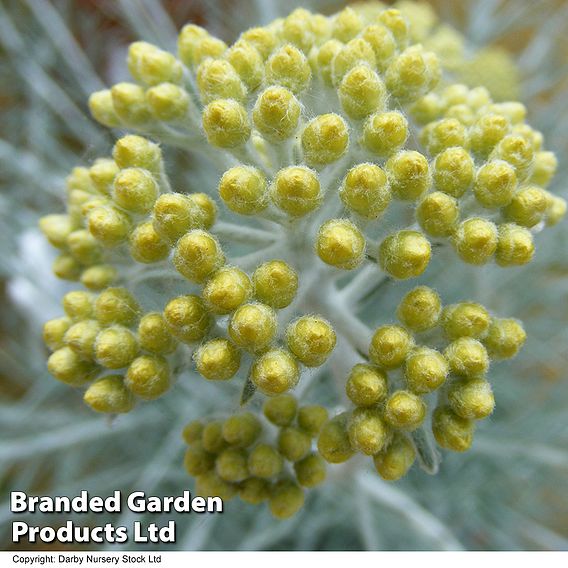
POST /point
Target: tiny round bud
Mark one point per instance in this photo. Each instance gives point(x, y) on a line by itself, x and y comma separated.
point(57, 229)
point(389, 346)
point(398, 25)
point(355, 53)
point(78, 305)
point(264, 462)
point(467, 357)
point(154, 336)
point(451, 431)
point(527, 207)
point(420, 309)
point(226, 290)
point(385, 133)
point(362, 92)
point(247, 62)
point(167, 102)
point(187, 318)
point(98, 277)
point(544, 168)
point(231, 465)
point(453, 171)
point(323, 59)
point(395, 460)
point(405, 254)
point(311, 339)
point(263, 39)
point(438, 214)
point(226, 123)
point(192, 432)
point(275, 284)
point(325, 139)
point(286, 499)
point(487, 132)
point(66, 267)
point(211, 485)
point(504, 338)
point(109, 395)
point(427, 108)
point(133, 151)
point(146, 245)
point(276, 114)
point(555, 211)
point(425, 370)
point(346, 24)
point(116, 305)
point(241, 430)
point(296, 190)
point(243, 190)
point(102, 174)
point(310, 471)
point(254, 490)
point(253, 327)
point(129, 103)
point(444, 134)
point(365, 190)
point(217, 360)
point(108, 225)
point(68, 367)
point(54, 331)
point(405, 410)
point(148, 376)
point(518, 152)
point(151, 65)
point(212, 437)
point(312, 418)
point(293, 444)
point(102, 109)
point(275, 372)
point(198, 255)
point(368, 432)
point(197, 461)
point(475, 240)
point(194, 42)
point(408, 175)
point(381, 40)
point(333, 442)
point(366, 385)
point(341, 244)
point(115, 347)
point(289, 68)
point(471, 398)
point(465, 319)
point(495, 184)
point(217, 79)
point(281, 410)
point(81, 337)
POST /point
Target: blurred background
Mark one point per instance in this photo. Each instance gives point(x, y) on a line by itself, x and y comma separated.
point(509, 492)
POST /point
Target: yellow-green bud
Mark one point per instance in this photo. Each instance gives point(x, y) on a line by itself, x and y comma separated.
point(311, 339)
point(254, 490)
point(404, 410)
point(495, 184)
point(129, 102)
point(133, 151)
point(263, 39)
point(102, 108)
point(275, 372)
point(296, 190)
point(146, 245)
point(395, 461)
point(475, 240)
point(366, 385)
point(217, 79)
point(253, 327)
point(505, 338)
point(427, 108)
point(211, 485)
point(516, 150)
point(380, 38)
point(98, 277)
point(385, 133)
point(81, 337)
point(286, 499)
point(289, 68)
point(109, 395)
point(425, 370)
point(405, 254)
point(78, 305)
point(243, 189)
point(438, 214)
point(398, 25)
point(148, 376)
point(408, 175)
point(444, 134)
point(293, 444)
point(527, 207)
point(231, 465)
point(453, 171)
point(190, 45)
point(187, 318)
point(67, 267)
point(368, 432)
point(167, 102)
point(54, 331)
point(544, 168)
point(275, 284)
point(362, 92)
point(420, 309)
point(116, 305)
point(515, 245)
point(102, 174)
point(312, 418)
point(198, 255)
point(465, 319)
point(471, 398)
point(226, 290)
point(325, 139)
point(135, 190)
point(247, 62)
point(116, 347)
point(341, 244)
point(389, 346)
point(212, 437)
point(555, 211)
point(310, 471)
point(241, 430)
point(487, 132)
point(108, 225)
point(154, 336)
point(68, 367)
point(281, 410)
point(346, 25)
point(265, 462)
point(192, 432)
point(323, 59)
point(198, 461)
point(151, 65)
point(355, 53)
point(333, 441)
point(467, 357)
point(451, 431)
point(226, 123)
point(217, 360)
point(57, 229)
point(365, 190)
point(276, 114)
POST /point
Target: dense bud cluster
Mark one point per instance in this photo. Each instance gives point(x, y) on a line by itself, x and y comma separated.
point(348, 156)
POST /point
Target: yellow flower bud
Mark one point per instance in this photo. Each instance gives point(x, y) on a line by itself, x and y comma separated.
point(108, 225)
point(296, 190)
point(54, 331)
point(243, 190)
point(385, 133)
point(405, 254)
point(148, 376)
point(217, 360)
point(289, 68)
point(286, 499)
point(167, 102)
point(535, 138)
point(276, 114)
point(109, 395)
point(226, 290)
point(275, 284)
point(67, 267)
point(247, 62)
point(555, 211)
point(208, 47)
point(368, 432)
point(475, 240)
point(310, 471)
point(443, 134)
point(135, 190)
point(217, 79)
point(471, 398)
point(395, 460)
point(102, 108)
point(263, 39)
point(463, 114)
point(102, 174)
point(467, 357)
point(420, 309)
point(154, 336)
point(515, 245)
point(323, 59)
point(212, 437)
point(81, 337)
point(146, 245)
point(487, 132)
point(366, 385)
point(78, 305)
point(211, 485)
point(311, 339)
point(198, 255)
point(325, 139)
point(133, 151)
point(129, 102)
point(453, 171)
point(275, 372)
point(151, 65)
point(197, 461)
point(544, 168)
point(451, 431)
point(365, 190)
point(116, 305)
point(465, 319)
point(527, 207)
point(98, 277)
point(518, 152)
point(404, 410)
point(57, 229)
point(226, 123)
point(495, 184)
point(253, 327)
point(333, 442)
point(192, 433)
point(346, 25)
point(265, 462)
point(187, 318)
point(293, 444)
point(116, 347)
point(438, 214)
point(254, 490)
point(408, 175)
point(425, 370)
point(231, 465)
point(427, 108)
point(341, 244)
point(241, 430)
point(68, 367)
point(514, 111)
point(188, 40)
point(389, 346)
point(504, 338)
point(398, 25)
point(311, 419)
point(281, 410)
point(382, 41)
point(356, 53)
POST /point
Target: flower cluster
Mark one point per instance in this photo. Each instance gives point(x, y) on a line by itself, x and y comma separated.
point(325, 133)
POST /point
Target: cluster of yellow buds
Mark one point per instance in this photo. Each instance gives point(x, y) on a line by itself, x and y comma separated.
point(324, 133)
